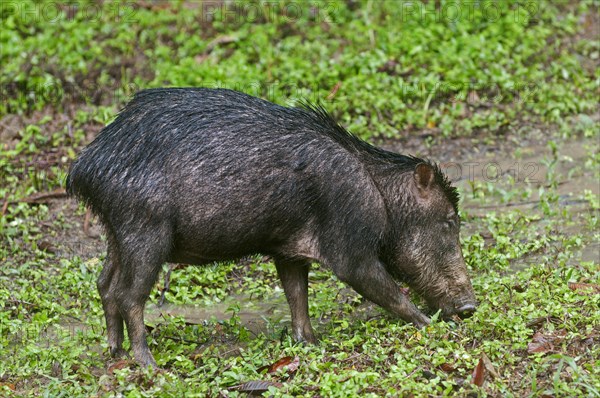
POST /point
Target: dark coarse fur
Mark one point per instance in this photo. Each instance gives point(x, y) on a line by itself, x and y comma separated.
point(201, 175)
point(329, 127)
point(177, 122)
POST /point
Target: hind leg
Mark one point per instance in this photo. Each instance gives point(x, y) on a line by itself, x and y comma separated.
point(141, 265)
point(106, 283)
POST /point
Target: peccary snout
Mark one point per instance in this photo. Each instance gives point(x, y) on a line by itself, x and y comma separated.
point(466, 310)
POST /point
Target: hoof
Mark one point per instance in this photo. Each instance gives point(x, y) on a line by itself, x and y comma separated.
point(119, 353)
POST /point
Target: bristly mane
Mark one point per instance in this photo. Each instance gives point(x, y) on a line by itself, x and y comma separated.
point(355, 144)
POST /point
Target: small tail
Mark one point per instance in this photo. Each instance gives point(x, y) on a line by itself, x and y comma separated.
point(74, 181)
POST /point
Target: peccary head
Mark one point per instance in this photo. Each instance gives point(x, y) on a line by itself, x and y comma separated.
point(423, 247)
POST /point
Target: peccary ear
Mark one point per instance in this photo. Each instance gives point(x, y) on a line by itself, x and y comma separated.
point(424, 175)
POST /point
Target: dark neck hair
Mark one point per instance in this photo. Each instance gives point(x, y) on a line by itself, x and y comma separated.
point(328, 126)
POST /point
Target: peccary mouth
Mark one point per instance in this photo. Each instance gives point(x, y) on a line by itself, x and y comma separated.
point(462, 309)
point(466, 310)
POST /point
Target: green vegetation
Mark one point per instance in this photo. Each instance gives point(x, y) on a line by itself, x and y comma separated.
point(504, 83)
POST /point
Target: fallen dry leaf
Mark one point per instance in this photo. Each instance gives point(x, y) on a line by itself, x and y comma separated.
point(291, 363)
point(584, 288)
point(489, 366)
point(539, 343)
point(446, 367)
point(334, 90)
point(123, 363)
point(518, 288)
point(478, 377)
point(10, 386)
point(256, 386)
point(473, 97)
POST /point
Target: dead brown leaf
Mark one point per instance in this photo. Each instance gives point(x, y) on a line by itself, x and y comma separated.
point(489, 366)
point(334, 90)
point(473, 97)
point(292, 365)
point(540, 343)
point(584, 288)
point(478, 377)
point(10, 386)
point(256, 386)
point(123, 363)
point(518, 288)
point(446, 367)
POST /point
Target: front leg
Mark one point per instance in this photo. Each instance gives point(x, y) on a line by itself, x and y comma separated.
point(372, 281)
point(294, 278)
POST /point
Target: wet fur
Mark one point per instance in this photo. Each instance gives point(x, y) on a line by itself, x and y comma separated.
point(201, 175)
